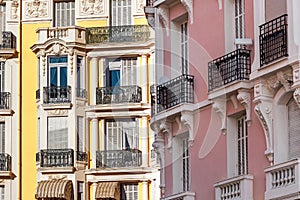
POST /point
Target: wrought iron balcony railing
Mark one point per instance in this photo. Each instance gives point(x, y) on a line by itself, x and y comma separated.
point(5, 100)
point(57, 94)
point(5, 162)
point(176, 91)
point(56, 158)
point(229, 68)
point(131, 33)
point(119, 158)
point(118, 94)
point(8, 40)
point(273, 40)
point(81, 93)
point(82, 156)
point(153, 99)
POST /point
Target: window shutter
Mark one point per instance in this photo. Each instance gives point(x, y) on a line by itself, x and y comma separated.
point(57, 133)
point(294, 129)
point(2, 137)
point(129, 75)
point(80, 133)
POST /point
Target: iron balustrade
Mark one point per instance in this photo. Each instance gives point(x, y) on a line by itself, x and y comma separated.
point(130, 33)
point(231, 67)
point(5, 100)
point(5, 162)
point(56, 158)
point(176, 91)
point(81, 93)
point(273, 40)
point(119, 158)
point(8, 40)
point(82, 156)
point(153, 99)
point(37, 94)
point(118, 94)
point(57, 94)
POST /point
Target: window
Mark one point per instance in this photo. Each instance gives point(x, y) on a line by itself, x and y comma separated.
point(185, 165)
point(38, 134)
point(2, 192)
point(294, 129)
point(57, 132)
point(79, 76)
point(58, 71)
point(242, 143)
point(2, 137)
point(2, 18)
point(121, 13)
point(2, 76)
point(184, 47)
point(129, 191)
point(80, 133)
point(239, 18)
point(64, 13)
point(121, 134)
point(80, 190)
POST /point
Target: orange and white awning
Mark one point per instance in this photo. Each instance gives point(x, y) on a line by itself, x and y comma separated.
point(54, 189)
point(108, 190)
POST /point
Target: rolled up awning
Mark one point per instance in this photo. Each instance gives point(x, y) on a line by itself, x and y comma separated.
point(54, 189)
point(108, 190)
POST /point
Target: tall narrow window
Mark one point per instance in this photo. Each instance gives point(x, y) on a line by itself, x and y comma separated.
point(129, 191)
point(2, 137)
point(129, 71)
point(64, 13)
point(58, 73)
point(2, 76)
point(38, 135)
point(184, 47)
point(80, 133)
point(57, 132)
point(121, 12)
point(2, 192)
point(3, 17)
point(242, 143)
point(80, 190)
point(185, 165)
point(239, 18)
point(294, 129)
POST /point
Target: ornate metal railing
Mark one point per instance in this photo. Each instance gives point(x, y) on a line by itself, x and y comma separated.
point(8, 40)
point(55, 157)
point(5, 100)
point(82, 156)
point(119, 158)
point(118, 94)
point(57, 94)
point(176, 91)
point(153, 99)
point(229, 68)
point(81, 93)
point(37, 94)
point(131, 33)
point(5, 162)
point(273, 40)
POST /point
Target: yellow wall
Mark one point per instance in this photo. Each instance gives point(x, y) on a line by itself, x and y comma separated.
point(92, 23)
point(29, 115)
point(140, 21)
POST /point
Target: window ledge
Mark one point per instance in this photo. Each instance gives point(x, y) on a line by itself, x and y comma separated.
point(7, 175)
point(49, 170)
point(6, 112)
point(54, 106)
point(184, 196)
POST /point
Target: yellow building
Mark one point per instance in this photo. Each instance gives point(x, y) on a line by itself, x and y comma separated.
point(79, 80)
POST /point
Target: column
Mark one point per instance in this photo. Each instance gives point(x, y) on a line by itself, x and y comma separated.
point(145, 138)
point(94, 82)
point(144, 78)
point(145, 190)
point(95, 141)
point(94, 186)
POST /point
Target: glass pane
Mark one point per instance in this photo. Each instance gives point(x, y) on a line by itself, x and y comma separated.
point(115, 78)
point(53, 76)
point(63, 77)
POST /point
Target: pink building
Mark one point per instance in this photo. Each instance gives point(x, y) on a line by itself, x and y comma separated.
point(225, 103)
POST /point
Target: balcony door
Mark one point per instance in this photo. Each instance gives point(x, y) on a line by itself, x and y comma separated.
point(58, 72)
point(121, 12)
point(57, 133)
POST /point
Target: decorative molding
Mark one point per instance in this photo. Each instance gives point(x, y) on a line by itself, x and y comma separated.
point(150, 16)
point(187, 118)
point(92, 7)
point(166, 128)
point(2, 118)
point(263, 112)
point(219, 105)
point(36, 9)
point(71, 58)
point(245, 99)
point(234, 101)
point(273, 83)
point(58, 112)
point(296, 96)
point(188, 4)
point(163, 13)
point(285, 79)
point(140, 6)
point(15, 9)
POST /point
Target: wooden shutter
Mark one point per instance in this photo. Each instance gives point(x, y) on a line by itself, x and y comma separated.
point(57, 133)
point(129, 75)
point(294, 129)
point(113, 136)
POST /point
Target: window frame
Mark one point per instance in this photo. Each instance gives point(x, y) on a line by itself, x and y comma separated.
point(64, 7)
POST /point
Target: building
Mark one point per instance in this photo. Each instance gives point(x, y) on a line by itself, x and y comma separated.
point(75, 101)
point(225, 107)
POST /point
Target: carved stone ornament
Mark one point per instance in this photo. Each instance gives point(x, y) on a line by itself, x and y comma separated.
point(187, 118)
point(36, 9)
point(58, 112)
point(281, 79)
point(296, 96)
point(140, 6)
point(15, 9)
point(71, 59)
point(188, 4)
point(166, 127)
point(263, 112)
point(245, 99)
point(219, 105)
point(150, 16)
point(163, 13)
point(92, 7)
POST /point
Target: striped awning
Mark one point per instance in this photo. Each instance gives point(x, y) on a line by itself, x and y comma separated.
point(108, 190)
point(55, 189)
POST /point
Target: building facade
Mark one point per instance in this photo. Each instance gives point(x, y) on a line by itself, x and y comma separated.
point(225, 99)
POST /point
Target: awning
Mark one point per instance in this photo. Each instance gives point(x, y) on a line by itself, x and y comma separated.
point(55, 189)
point(108, 190)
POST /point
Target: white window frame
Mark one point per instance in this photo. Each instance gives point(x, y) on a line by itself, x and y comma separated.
point(64, 13)
point(184, 48)
point(131, 191)
point(242, 146)
point(121, 12)
point(2, 192)
point(58, 66)
point(185, 165)
point(61, 121)
point(80, 133)
point(239, 18)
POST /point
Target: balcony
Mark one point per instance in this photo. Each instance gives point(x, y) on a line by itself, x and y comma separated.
point(182, 196)
point(115, 34)
point(149, 3)
point(234, 66)
point(81, 93)
point(118, 94)
point(119, 158)
point(55, 158)
point(174, 92)
point(283, 180)
point(5, 103)
point(273, 40)
point(8, 45)
point(82, 156)
point(236, 188)
point(5, 166)
point(154, 159)
point(57, 94)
